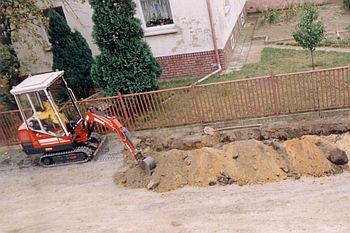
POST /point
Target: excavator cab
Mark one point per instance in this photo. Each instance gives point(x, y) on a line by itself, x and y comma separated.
point(47, 105)
point(54, 127)
point(49, 113)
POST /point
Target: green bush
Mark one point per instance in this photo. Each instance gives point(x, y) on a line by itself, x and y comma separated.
point(126, 63)
point(271, 16)
point(290, 13)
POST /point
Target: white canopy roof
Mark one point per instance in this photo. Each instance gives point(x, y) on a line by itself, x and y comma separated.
point(36, 82)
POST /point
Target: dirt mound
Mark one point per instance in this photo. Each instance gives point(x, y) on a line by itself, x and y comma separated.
point(241, 162)
point(306, 158)
point(244, 162)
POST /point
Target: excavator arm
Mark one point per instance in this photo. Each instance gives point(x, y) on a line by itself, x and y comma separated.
point(112, 123)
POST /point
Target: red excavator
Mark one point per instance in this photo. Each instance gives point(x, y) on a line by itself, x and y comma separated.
point(55, 128)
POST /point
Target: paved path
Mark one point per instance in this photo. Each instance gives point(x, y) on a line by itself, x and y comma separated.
point(242, 48)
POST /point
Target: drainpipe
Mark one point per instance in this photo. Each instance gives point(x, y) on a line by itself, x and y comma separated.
point(215, 43)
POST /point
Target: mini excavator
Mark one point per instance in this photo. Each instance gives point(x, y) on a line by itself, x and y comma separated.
point(54, 127)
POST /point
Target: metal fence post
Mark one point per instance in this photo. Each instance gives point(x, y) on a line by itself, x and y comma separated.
point(196, 104)
point(274, 92)
point(124, 111)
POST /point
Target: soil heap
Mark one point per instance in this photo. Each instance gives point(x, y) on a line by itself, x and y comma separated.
point(241, 162)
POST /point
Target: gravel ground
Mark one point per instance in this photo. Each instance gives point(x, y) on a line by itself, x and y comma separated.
point(83, 198)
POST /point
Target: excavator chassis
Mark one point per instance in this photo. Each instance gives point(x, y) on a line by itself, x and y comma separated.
point(78, 155)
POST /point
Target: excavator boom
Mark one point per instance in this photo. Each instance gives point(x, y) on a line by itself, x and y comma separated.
point(112, 123)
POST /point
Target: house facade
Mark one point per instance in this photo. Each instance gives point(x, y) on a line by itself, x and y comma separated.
point(197, 32)
point(188, 37)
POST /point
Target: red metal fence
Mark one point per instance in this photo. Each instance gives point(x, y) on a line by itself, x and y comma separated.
point(9, 122)
point(246, 98)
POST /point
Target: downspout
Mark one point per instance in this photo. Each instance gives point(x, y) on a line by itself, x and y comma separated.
point(215, 43)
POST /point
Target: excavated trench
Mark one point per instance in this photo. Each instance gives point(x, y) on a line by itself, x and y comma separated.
point(273, 152)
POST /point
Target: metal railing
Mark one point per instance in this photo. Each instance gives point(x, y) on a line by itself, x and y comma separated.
point(239, 99)
point(9, 122)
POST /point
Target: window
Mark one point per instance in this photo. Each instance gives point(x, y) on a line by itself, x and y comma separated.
point(39, 113)
point(156, 12)
point(227, 6)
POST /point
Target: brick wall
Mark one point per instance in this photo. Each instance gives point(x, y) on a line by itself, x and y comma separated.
point(201, 63)
point(188, 65)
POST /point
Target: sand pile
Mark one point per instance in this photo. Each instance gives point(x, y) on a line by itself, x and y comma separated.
point(306, 158)
point(241, 162)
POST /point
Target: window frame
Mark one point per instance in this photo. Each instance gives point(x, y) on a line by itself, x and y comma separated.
point(159, 29)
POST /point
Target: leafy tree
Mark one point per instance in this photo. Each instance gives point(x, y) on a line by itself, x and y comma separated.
point(72, 54)
point(9, 76)
point(126, 63)
point(309, 31)
point(15, 16)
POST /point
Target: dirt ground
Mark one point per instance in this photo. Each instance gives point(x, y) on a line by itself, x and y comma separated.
point(335, 14)
point(83, 198)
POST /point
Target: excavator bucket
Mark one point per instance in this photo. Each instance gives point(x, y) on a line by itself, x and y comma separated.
point(147, 164)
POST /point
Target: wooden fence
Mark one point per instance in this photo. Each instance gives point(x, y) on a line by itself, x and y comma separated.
point(245, 98)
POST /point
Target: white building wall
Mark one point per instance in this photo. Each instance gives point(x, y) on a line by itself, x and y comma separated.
point(190, 32)
point(225, 18)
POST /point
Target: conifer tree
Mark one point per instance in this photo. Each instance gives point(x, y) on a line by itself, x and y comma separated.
point(126, 63)
point(72, 54)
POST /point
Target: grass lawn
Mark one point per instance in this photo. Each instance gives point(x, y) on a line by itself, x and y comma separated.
point(276, 61)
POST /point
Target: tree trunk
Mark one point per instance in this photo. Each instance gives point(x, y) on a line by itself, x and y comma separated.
point(312, 58)
point(5, 35)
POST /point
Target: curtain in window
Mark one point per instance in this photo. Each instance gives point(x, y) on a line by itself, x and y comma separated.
point(156, 12)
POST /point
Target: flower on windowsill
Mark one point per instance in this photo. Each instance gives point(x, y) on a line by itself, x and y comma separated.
point(159, 22)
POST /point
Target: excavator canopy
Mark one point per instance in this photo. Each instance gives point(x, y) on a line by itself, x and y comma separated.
point(46, 103)
point(36, 83)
